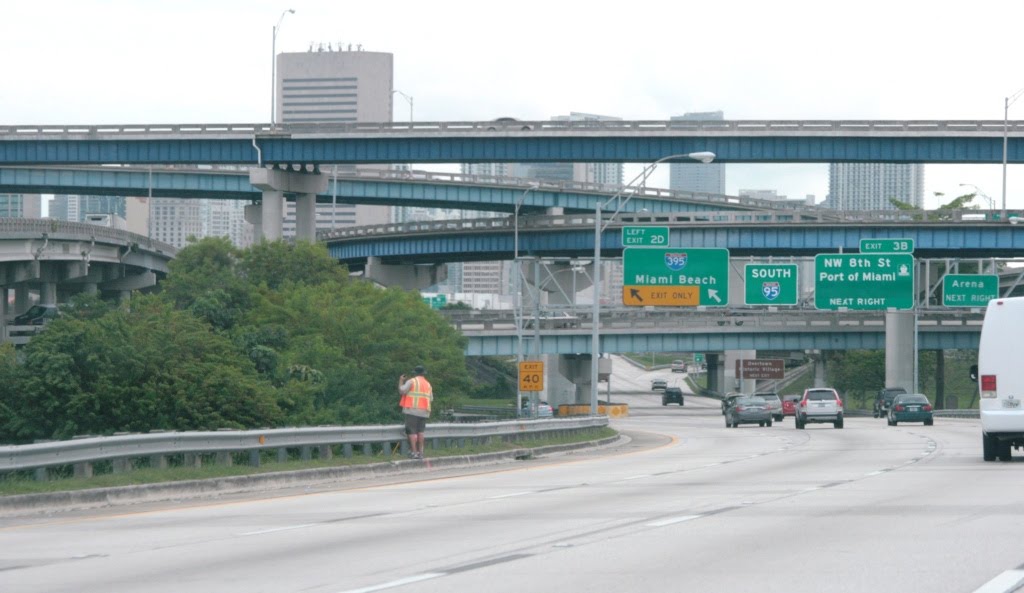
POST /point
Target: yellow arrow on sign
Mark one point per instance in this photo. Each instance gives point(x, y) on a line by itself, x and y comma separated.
point(661, 296)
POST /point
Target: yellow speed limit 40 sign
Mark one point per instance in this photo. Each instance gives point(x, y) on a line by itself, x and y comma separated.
point(531, 375)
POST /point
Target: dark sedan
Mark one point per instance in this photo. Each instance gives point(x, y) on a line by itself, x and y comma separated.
point(910, 407)
point(748, 410)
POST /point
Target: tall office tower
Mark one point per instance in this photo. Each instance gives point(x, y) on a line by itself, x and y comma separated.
point(870, 186)
point(20, 205)
point(698, 177)
point(75, 208)
point(331, 85)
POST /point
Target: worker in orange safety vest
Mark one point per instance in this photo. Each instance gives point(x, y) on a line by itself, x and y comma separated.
point(415, 403)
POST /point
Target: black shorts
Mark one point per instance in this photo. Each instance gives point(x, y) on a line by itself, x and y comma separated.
point(415, 424)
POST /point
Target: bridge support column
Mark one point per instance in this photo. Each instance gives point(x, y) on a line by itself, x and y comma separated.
point(900, 327)
point(21, 300)
point(407, 276)
point(48, 293)
point(305, 217)
point(272, 216)
point(733, 381)
point(716, 373)
point(820, 374)
point(254, 216)
point(275, 183)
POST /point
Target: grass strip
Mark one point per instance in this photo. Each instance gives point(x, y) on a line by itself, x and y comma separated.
point(20, 484)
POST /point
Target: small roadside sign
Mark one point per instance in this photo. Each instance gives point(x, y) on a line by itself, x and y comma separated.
point(645, 236)
point(887, 246)
point(760, 368)
point(531, 375)
point(969, 290)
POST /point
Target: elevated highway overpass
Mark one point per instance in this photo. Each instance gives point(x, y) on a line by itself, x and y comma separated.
point(745, 234)
point(391, 188)
point(493, 333)
point(733, 141)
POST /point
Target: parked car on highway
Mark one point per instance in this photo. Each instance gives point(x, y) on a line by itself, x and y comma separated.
point(678, 366)
point(748, 409)
point(729, 399)
point(820, 404)
point(789, 403)
point(658, 384)
point(883, 400)
point(910, 407)
point(672, 395)
point(774, 404)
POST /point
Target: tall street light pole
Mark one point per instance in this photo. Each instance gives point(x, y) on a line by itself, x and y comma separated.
point(273, 66)
point(518, 288)
point(407, 98)
point(977, 190)
point(595, 317)
point(1006, 112)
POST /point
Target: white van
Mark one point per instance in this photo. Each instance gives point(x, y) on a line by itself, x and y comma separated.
point(1000, 380)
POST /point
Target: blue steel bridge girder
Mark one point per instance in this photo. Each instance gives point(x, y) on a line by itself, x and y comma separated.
point(367, 149)
point(709, 341)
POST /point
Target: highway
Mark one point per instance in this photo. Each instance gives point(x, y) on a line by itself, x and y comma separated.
point(681, 504)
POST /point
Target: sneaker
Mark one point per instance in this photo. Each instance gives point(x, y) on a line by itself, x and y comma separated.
point(417, 455)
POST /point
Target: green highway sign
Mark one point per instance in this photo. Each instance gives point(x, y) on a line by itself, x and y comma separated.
point(436, 302)
point(862, 282)
point(770, 284)
point(698, 357)
point(969, 290)
point(887, 246)
point(675, 277)
point(645, 236)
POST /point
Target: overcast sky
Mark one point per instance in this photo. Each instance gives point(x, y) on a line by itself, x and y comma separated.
point(209, 61)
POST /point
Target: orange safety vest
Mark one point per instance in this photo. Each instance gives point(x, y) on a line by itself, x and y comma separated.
point(419, 396)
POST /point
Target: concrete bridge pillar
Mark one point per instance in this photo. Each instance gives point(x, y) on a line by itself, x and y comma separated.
point(254, 216)
point(305, 217)
point(733, 381)
point(48, 293)
point(407, 276)
point(716, 373)
point(275, 183)
point(21, 300)
point(820, 374)
point(560, 280)
point(900, 327)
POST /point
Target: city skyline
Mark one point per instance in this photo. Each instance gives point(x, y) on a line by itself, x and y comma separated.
point(802, 66)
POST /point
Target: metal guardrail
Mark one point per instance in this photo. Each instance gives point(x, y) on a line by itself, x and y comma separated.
point(972, 413)
point(509, 126)
point(94, 449)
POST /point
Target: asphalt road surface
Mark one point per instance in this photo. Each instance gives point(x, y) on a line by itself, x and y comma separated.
point(684, 504)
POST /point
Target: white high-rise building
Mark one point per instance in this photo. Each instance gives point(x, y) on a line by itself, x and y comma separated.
point(872, 186)
point(698, 177)
point(330, 84)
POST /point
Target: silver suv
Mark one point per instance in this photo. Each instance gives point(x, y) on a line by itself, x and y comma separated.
point(820, 404)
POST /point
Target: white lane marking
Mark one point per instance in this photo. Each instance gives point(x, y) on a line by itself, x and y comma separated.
point(509, 495)
point(637, 477)
point(1007, 582)
point(713, 464)
point(810, 489)
point(276, 529)
point(672, 520)
point(878, 473)
point(398, 583)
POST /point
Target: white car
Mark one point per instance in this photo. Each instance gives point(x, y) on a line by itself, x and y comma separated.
point(678, 366)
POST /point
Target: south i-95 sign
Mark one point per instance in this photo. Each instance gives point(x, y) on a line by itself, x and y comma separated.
point(770, 284)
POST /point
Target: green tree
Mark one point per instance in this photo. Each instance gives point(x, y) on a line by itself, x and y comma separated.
point(277, 263)
point(150, 367)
